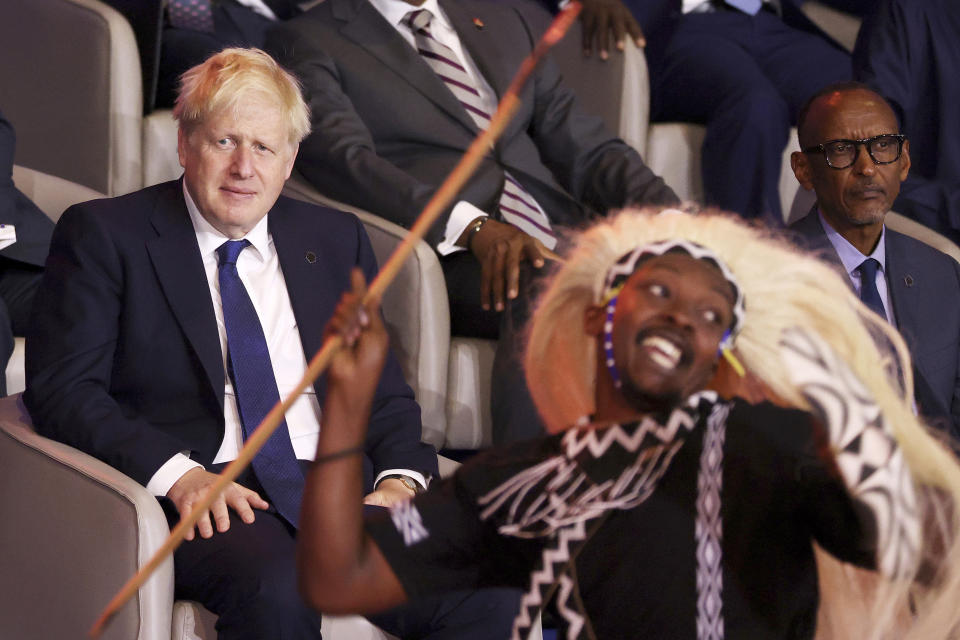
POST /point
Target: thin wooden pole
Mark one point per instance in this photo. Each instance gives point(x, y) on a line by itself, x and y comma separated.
point(437, 204)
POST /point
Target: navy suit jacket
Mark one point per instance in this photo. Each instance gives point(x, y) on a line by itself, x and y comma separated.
point(33, 227)
point(123, 357)
point(924, 288)
point(387, 130)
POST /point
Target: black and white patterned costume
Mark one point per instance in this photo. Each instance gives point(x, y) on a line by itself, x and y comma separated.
point(696, 525)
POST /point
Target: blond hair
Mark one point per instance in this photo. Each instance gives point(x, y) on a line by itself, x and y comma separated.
point(783, 288)
point(219, 83)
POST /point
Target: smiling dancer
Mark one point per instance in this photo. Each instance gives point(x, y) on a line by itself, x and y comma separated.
point(658, 508)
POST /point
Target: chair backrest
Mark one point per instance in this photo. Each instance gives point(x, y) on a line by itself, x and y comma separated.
point(70, 74)
point(617, 89)
point(73, 531)
point(923, 233)
point(416, 310)
point(52, 194)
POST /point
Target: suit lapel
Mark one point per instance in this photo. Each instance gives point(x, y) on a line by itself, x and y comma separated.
point(367, 28)
point(306, 273)
point(179, 268)
point(486, 48)
point(901, 278)
point(481, 44)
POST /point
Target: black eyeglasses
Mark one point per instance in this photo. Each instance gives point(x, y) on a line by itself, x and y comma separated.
point(841, 154)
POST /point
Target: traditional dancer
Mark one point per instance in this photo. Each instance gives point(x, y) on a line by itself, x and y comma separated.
point(718, 403)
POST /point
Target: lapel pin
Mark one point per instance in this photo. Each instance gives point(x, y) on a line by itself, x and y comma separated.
point(478, 23)
point(311, 257)
point(908, 280)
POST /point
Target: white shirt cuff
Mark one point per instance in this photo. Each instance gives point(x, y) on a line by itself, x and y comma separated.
point(413, 475)
point(460, 218)
point(171, 471)
point(8, 235)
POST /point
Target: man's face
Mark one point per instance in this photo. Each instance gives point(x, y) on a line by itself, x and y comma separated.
point(863, 193)
point(236, 162)
point(670, 317)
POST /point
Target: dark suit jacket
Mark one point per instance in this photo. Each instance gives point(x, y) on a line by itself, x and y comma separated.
point(124, 360)
point(32, 225)
point(924, 288)
point(387, 131)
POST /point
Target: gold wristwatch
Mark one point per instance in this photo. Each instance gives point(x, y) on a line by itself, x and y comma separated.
point(407, 481)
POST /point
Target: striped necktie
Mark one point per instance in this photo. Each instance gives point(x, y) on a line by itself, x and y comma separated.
point(517, 207)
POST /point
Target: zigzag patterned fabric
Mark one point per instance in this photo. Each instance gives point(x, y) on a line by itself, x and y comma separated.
point(870, 461)
point(600, 470)
point(708, 529)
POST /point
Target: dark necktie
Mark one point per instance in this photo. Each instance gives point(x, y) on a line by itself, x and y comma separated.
point(516, 205)
point(255, 387)
point(196, 15)
point(868, 286)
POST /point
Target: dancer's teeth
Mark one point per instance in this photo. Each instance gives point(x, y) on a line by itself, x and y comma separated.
point(662, 351)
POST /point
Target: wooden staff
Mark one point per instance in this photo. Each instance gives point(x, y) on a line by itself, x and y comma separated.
point(443, 197)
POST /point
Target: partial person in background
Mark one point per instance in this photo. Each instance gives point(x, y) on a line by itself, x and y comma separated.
point(658, 508)
point(743, 68)
point(907, 51)
point(398, 92)
point(193, 30)
point(854, 158)
point(24, 242)
point(171, 320)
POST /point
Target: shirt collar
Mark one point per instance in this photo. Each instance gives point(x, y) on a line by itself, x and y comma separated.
point(850, 256)
point(209, 238)
point(395, 10)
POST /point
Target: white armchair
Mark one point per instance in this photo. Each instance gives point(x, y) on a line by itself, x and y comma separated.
point(73, 531)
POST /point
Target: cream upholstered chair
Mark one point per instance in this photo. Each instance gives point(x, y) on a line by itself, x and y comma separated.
point(71, 77)
point(74, 531)
point(52, 195)
point(416, 311)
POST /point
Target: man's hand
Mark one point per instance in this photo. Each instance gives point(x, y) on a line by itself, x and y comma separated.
point(355, 369)
point(500, 247)
point(389, 492)
point(191, 488)
point(600, 19)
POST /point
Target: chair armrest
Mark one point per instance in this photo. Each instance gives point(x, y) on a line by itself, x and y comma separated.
point(909, 227)
point(74, 530)
point(415, 307)
point(51, 194)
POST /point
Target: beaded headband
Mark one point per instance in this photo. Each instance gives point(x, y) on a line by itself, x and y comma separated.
point(625, 267)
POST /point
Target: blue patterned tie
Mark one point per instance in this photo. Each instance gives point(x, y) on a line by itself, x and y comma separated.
point(750, 7)
point(255, 387)
point(868, 286)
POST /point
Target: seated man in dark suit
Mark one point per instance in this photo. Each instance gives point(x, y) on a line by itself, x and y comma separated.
point(195, 29)
point(24, 242)
point(743, 68)
point(854, 158)
point(907, 51)
point(398, 92)
point(172, 319)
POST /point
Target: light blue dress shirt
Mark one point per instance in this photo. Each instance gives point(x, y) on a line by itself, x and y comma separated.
point(851, 258)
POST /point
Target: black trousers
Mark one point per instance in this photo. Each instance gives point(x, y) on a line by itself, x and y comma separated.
point(247, 576)
point(512, 410)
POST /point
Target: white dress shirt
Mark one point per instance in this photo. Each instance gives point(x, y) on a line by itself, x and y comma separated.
point(463, 213)
point(259, 269)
